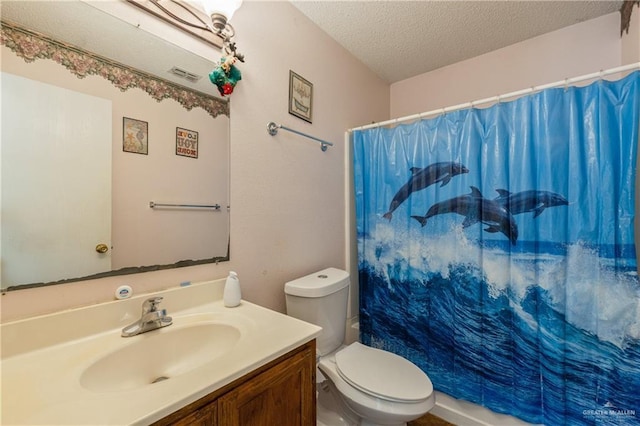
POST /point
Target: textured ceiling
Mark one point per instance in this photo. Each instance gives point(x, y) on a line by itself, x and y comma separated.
point(402, 39)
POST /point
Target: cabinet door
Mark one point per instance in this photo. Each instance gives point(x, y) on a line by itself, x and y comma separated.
point(283, 395)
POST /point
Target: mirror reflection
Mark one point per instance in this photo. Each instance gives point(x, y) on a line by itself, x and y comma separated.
point(97, 180)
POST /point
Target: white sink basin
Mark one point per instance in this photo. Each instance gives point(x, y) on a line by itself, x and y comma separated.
point(159, 355)
point(73, 367)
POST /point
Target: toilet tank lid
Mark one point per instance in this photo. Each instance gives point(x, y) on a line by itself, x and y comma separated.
point(318, 284)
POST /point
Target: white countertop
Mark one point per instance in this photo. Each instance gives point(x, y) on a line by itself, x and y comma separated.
point(44, 357)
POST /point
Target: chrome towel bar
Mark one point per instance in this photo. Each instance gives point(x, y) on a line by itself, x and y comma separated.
point(272, 128)
point(153, 205)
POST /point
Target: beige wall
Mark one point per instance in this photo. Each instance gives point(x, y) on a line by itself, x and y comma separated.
point(569, 52)
point(631, 39)
point(287, 196)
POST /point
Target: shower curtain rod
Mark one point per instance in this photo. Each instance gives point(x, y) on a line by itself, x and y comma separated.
point(565, 82)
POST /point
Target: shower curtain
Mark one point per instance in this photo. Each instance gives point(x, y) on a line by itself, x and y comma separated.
point(496, 252)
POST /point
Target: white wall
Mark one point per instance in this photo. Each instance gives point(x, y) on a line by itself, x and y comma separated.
point(287, 196)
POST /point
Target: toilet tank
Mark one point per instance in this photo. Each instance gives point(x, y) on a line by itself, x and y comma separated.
point(321, 299)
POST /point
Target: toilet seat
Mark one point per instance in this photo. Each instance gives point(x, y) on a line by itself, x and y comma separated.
point(382, 374)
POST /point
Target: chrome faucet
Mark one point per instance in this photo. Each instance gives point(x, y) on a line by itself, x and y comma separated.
point(151, 318)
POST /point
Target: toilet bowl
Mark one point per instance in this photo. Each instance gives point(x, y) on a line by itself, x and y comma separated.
point(369, 386)
point(380, 387)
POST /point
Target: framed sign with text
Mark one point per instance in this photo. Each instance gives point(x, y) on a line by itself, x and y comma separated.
point(186, 142)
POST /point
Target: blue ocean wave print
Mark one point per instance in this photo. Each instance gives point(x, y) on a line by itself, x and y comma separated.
point(476, 315)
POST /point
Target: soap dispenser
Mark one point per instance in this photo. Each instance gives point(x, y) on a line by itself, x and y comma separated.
point(232, 294)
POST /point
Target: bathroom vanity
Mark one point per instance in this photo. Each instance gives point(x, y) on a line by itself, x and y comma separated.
point(213, 366)
point(279, 393)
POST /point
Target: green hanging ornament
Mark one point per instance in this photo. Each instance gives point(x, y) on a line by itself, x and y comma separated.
point(226, 75)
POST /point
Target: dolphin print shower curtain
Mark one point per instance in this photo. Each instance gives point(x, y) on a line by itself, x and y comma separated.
point(496, 252)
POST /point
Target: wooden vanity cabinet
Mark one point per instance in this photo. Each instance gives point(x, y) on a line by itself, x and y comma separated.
point(280, 393)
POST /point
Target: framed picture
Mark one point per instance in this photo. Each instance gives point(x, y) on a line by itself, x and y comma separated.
point(186, 143)
point(300, 97)
point(135, 136)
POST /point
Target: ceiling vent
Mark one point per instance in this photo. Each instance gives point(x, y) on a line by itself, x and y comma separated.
point(185, 74)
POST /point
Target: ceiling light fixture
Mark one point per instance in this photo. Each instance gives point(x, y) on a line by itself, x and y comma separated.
point(220, 12)
point(205, 19)
point(209, 21)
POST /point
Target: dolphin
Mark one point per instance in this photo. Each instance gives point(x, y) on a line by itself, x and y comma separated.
point(421, 178)
point(529, 201)
point(476, 209)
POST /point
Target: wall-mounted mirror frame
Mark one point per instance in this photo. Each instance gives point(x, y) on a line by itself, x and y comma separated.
point(29, 44)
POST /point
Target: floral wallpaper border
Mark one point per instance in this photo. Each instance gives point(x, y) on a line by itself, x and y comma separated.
point(31, 45)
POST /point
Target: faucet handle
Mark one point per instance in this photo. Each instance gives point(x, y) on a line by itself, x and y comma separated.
point(151, 304)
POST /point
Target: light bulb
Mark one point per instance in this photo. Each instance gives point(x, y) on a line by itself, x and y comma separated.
point(223, 7)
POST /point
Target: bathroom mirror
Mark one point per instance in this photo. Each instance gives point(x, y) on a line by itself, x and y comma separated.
point(147, 168)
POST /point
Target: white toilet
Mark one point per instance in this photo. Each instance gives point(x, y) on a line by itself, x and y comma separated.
point(367, 386)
